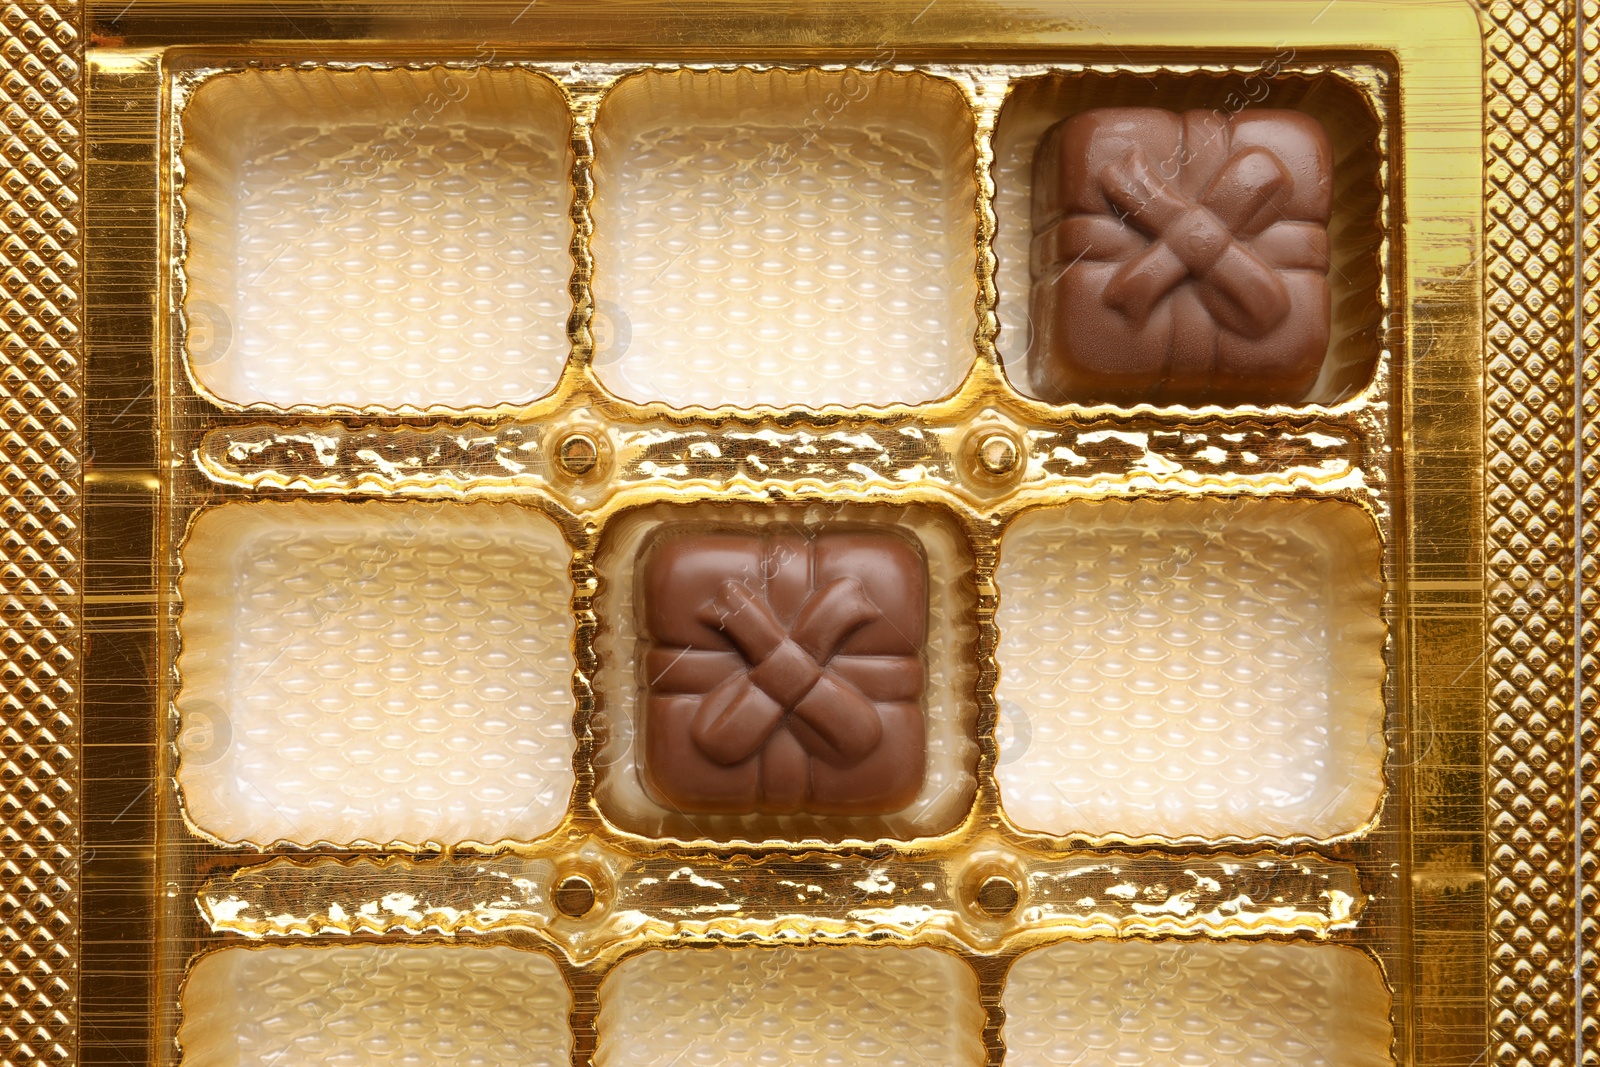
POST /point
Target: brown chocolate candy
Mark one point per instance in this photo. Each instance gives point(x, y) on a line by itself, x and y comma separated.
point(1180, 258)
point(783, 671)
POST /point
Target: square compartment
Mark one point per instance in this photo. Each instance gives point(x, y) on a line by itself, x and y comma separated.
point(353, 1006)
point(1191, 668)
point(784, 238)
point(732, 1007)
point(1356, 230)
point(948, 708)
point(1207, 1004)
point(783, 670)
point(392, 239)
point(375, 672)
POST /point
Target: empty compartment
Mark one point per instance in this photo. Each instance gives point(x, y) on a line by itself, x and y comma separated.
point(1337, 102)
point(1184, 667)
point(744, 650)
point(738, 1006)
point(397, 239)
point(375, 672)
point(1207, 1004)
point(371, 1004)
point(784, 237)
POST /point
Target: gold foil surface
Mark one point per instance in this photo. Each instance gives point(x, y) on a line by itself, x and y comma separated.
point(1464, 893)
point(1587, 363)
point(41, 351)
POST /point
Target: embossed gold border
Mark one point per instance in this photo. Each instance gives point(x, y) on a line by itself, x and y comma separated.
point(41, 439)
point(1586, 152)
point(1529, 558)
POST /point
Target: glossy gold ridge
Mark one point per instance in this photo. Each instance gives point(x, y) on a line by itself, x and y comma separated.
point(661, 900)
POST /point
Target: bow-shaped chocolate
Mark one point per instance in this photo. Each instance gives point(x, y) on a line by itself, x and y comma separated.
point(788, 677)
point(1197, 238)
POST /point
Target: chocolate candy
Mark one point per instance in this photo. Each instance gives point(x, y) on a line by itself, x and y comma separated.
point(783, 670)
point(1180, 258)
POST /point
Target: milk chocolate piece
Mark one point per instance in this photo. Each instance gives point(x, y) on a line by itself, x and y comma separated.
point(783, 670)
point(1180, 258)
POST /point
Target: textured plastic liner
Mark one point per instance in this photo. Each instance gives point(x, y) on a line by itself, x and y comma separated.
point(784, 238)
point(948, 703)
point(1356, 230)
point(1191, 667)
point(370, 1005)
point(1172, 1004)
point(375, 672)
point(368, 237)
point(734, 1007)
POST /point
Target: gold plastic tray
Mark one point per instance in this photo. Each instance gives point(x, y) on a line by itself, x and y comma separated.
point(1435, 913)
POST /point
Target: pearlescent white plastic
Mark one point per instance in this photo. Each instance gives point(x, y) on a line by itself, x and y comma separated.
point(375, 672)
point(1195, 1004)
point(394, 238)
point(1191, 667)
point(753, 1007)
point(784, 238)
point(369, 1005)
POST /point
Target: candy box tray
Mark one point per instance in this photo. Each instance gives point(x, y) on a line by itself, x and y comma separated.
point(565, 534)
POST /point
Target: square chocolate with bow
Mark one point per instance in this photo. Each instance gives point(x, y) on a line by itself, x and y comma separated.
point(1180, 258)
point(783, 670)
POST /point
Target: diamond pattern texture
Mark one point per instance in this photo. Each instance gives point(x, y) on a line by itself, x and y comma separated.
point(40, 485)
point(1169, 1004)
point(1190, 668)
point(376, 672)
point(1528, 425)
point(435, 1006)
point(784, 1007)
point(1589, 533)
